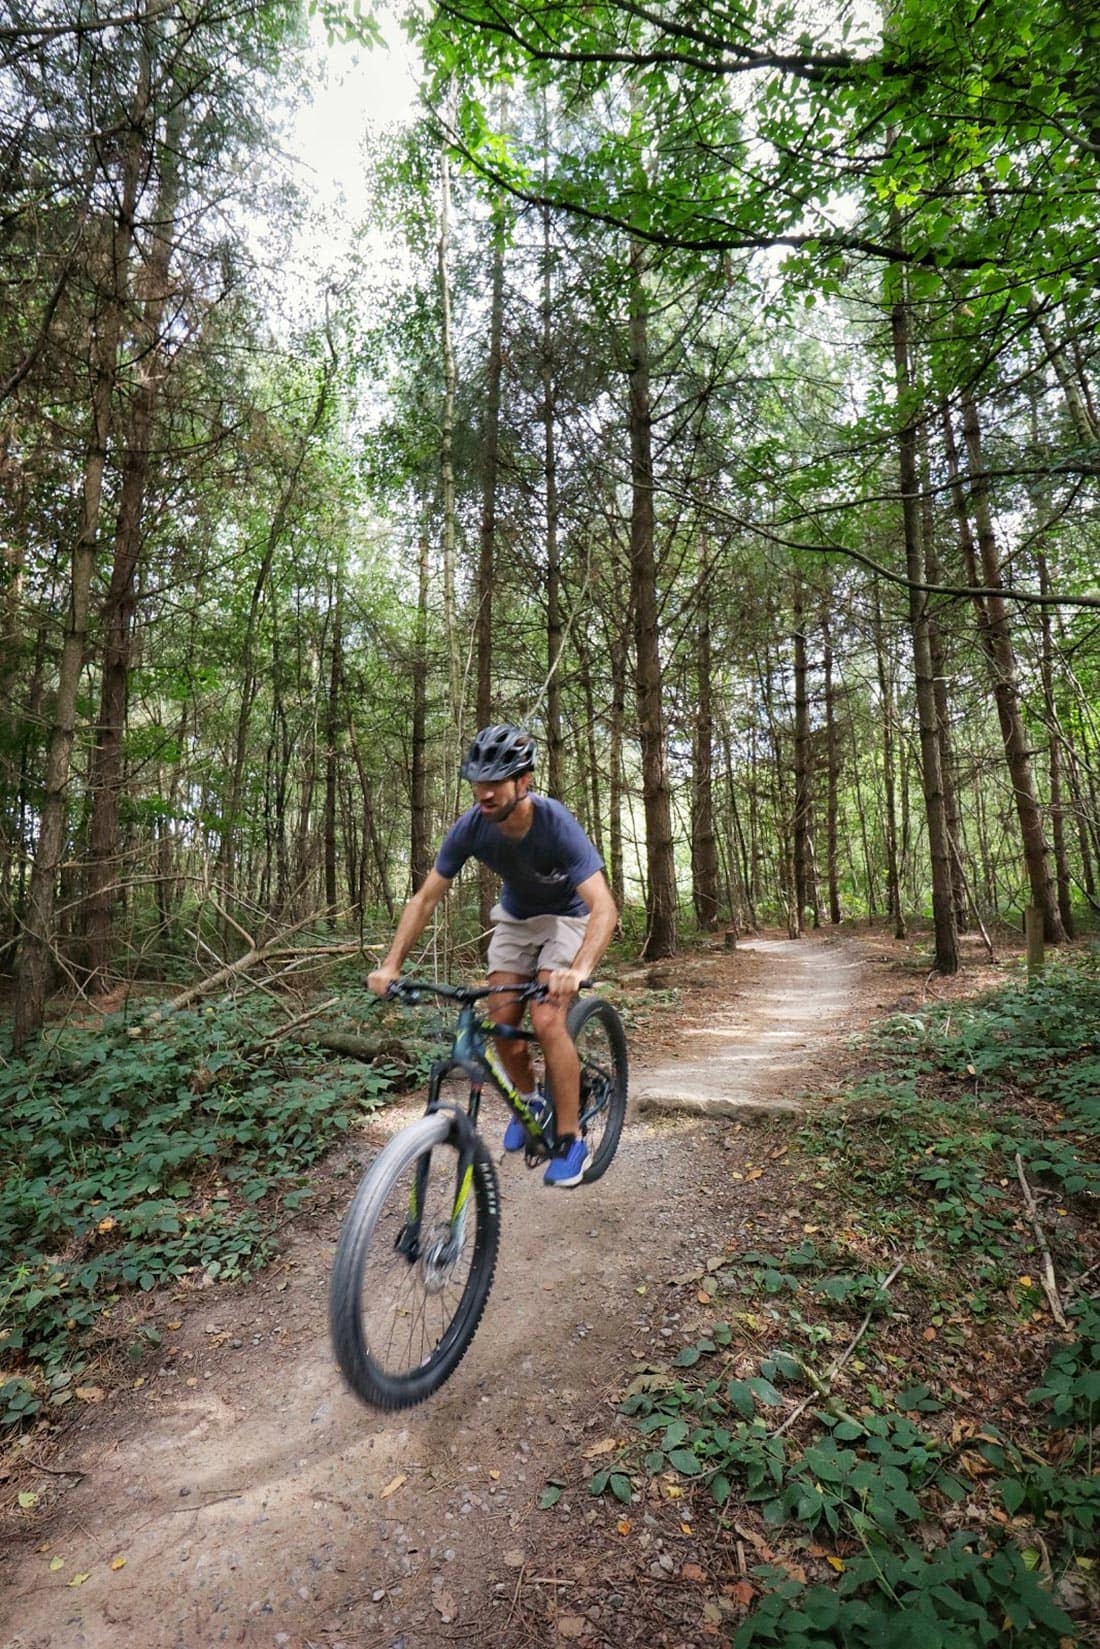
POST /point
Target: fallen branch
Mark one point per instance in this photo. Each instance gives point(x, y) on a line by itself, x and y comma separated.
point(821, 1387)
point(275, 949)
point(1050, 1286)
point(292, 1025)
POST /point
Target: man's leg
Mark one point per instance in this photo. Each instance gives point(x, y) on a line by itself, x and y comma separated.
point(515, 1055)
point(563, 1068)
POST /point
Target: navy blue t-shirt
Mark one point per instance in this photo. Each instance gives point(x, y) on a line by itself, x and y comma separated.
point(540, 873)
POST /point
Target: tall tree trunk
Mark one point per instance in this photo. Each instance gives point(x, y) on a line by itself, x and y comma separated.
point(420, 848)
point(332, 735)
point(704, 854)
point(887, 697)
point(952, 811)
point(997, 637)
point(106, 777)
point(832, 768)
point(490, 469)
point(946, 956)
point(802, 876)
point(446, 446)
point(34, 961)
point(555, 742)
point(660, 937)
point(624, 604)
point(1055, 737)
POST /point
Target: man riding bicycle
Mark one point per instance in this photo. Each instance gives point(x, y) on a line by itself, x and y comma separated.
point(555, 920)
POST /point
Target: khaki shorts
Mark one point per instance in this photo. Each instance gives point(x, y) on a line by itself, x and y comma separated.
point(528, 946)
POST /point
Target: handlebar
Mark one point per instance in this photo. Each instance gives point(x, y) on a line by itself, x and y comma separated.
point(411, 990)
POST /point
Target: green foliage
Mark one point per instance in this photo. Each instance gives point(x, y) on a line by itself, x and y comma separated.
point(1071, 1384)
point(921, 1153)
point(958, 1597)
point(129, 1160)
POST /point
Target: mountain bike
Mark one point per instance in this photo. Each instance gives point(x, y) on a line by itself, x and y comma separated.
point(418, 1248)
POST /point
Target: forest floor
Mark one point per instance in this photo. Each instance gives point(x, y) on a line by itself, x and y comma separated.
point(231, 1491)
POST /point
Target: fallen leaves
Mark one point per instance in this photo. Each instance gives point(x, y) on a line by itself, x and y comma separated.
point(393, 1485)
point(572, 1626)
point(606, 1445)
point(445, 1606)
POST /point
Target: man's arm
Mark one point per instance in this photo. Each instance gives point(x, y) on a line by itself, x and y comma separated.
point(603, 919)
point(413, 920)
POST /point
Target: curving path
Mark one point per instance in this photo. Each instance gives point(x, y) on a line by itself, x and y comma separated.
point(759, 1059)
point(230, 1491)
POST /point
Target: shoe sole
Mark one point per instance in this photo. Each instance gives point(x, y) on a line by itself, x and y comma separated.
point(568, 1184)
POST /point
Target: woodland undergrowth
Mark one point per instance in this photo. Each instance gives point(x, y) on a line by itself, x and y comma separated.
point(888, 1414)
point(135, 1157)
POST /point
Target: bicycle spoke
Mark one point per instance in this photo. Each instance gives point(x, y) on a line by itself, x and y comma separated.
point(408, 1303)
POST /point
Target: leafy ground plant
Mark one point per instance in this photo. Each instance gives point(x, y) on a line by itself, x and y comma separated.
point(915, 1447)
point(130, 1160)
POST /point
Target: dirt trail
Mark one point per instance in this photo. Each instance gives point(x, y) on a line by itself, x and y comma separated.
point(239, 1495)
point(757, 1061)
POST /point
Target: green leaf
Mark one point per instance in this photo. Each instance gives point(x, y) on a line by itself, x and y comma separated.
point(622, 1488)
point(741, 1398)
point(685, 1462)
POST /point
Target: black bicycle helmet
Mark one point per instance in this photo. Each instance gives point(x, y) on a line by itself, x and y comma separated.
point(499, 752)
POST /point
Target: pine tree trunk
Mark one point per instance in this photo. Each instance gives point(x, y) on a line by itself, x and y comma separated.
point(943, 710)
point(802, 878)
point(34, 960)
point(420, 847)
point(997, 639)
point(446, 449)
point(490, 467)
point(946, 955)
point(887, 697)
point(660, 937)
point(1055, 736)
point(832, 769)
point(332, 735)
point(106, 778)
point(555, 742)
point(704, 856)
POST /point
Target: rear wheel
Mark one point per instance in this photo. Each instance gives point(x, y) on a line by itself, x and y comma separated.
point(414, 1264)
point(600, 1040)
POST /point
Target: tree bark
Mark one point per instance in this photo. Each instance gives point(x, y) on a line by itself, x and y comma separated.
point(704, 854)
point(420, 850)
point(946, 955)
point(36, 949)
point(832, 768)
point(660, 939)
point(555, 742)
point(888, 707)
point(803, 879)
point(1000, 651)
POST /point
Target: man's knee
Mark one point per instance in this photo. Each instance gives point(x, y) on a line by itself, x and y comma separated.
point(548, 1021)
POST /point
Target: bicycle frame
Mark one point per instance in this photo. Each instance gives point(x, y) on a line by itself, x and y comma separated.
point(472, 1050)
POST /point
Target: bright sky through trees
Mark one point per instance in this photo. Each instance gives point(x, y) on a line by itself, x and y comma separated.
point(356, 89)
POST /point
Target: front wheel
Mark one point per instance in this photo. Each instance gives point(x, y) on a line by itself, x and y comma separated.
point(414, 1263)
point(600, 1040)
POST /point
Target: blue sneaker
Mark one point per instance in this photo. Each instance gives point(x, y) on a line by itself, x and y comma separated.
point(568, 1165)
point(515, 1135)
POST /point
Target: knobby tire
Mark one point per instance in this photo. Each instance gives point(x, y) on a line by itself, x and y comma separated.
point(401, 1325)
point(598, 1033)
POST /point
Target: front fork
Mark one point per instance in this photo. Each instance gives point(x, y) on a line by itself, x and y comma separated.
point(408, 1240)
